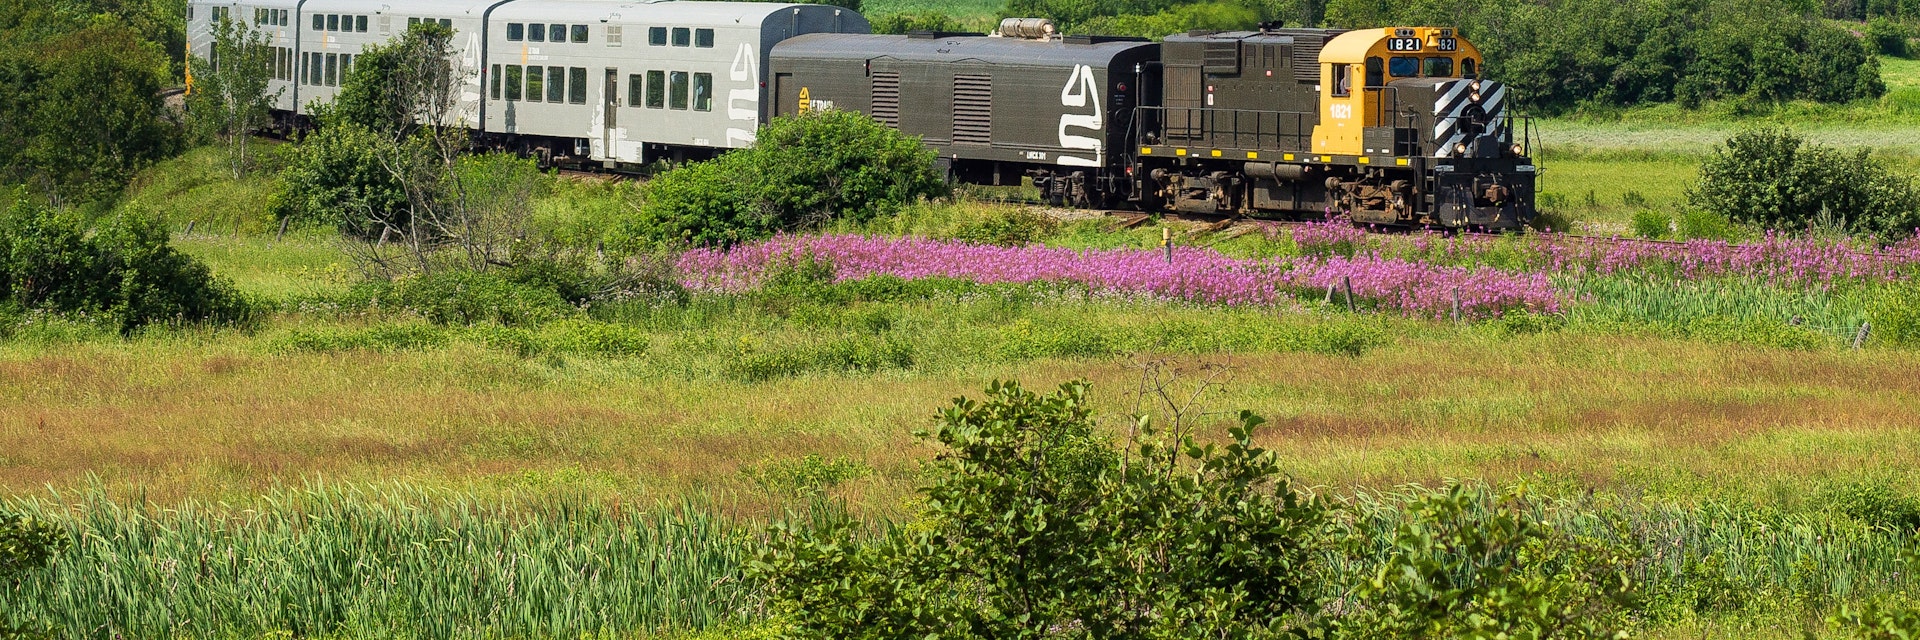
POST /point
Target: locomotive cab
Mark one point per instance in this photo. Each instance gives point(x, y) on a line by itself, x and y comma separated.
point(1416, 94)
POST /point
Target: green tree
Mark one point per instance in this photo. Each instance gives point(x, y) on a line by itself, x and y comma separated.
point(121, 270)
point(82, 112)
point(229, 98)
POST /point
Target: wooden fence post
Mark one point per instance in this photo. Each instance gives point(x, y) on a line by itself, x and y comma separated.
point(1349, 283)
point(1861, 337)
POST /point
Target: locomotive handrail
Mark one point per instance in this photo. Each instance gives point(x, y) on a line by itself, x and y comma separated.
point(1231, 128)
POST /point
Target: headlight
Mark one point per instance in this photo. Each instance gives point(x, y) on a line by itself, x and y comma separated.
point(1460, 148)
point(1476, 96)
point(1519, 150)
point(1476, 88)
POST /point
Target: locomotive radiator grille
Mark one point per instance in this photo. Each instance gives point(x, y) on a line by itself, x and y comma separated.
point(972, 109)
point(886, 98)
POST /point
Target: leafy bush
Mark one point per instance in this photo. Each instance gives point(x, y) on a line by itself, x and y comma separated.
point(1889, 37)
point(1651, 224)
point(846, 354)
point(1465, 563)
point(1034, 524)
point(26, 546)
point(1876, 504)
point(378, 337)
point(1007, 227)
point(465, 298)
point(1896, 315)
point(121, 270)
point(336, 177)
point(806, 475)
point(802, 172)
point(920, 21)
point(1774, 179)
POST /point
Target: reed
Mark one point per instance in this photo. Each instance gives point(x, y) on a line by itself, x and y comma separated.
point(359, 561)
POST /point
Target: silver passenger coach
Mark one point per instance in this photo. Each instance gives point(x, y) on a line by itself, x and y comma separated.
point(571, 81)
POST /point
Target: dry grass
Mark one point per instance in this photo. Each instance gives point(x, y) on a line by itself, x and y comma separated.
point(212, 416)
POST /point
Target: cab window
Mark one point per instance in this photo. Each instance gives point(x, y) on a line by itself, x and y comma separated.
point(1375, 73)
point(1403, 66)
point(1342, 80)
point(1439, 67)
point(1467, 69)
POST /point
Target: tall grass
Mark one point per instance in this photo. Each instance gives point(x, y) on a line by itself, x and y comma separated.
point(344, 561)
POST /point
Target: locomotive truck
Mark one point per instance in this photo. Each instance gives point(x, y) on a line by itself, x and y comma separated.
point(1391, 126)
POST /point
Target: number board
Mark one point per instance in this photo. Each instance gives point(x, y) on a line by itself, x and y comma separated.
point(1403, 44)
point(1449, 44)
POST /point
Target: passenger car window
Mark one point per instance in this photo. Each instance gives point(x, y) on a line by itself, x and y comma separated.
point(319, 22)
point(496, 82)
point(333, 22)
point(634, 85)
point(516, 31)
point(536, 32)
point(657, 36)
point(1403, 66)
point(580, 33)
point(703, 92)
point(360, 24)
point(556, 83)
point(703, 38)
point(556, 33)
point(682, 36)
point(656, 89)
point(513, 82)
point(536, 83)
point(1439, 67)
point(677, 90)
point(577, 85)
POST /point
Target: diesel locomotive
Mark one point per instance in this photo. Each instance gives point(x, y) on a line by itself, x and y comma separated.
point(1388, 126)
point(1391, 126)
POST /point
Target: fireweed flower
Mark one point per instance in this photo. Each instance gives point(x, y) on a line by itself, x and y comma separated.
point(1195, 274)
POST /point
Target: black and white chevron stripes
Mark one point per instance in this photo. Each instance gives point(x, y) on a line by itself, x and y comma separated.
point(1456, 118)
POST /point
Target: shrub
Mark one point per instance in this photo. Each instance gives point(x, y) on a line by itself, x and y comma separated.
point(465, 298)
point(122, 270)
point(1033, 523)
point(1007, 227)
point(848, 354)
point(1465, 563)
point(1774, 179)
point(1876, 504)
point(1895, 315)
point(802, 172)
point(1888, 37)
point(336, 177)
point(1651, 224)
point(919, 21)
point(379, 337)
point(807, 475)
point(26, 546)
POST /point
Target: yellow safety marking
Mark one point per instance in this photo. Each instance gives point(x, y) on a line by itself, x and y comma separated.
point(1251, 155)
point(1146, 151)
point(1216, 153)
point(1400, 161)
point(1326, 158)
point(1179, 152)
point(1366, 160)
point(1286, 156)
